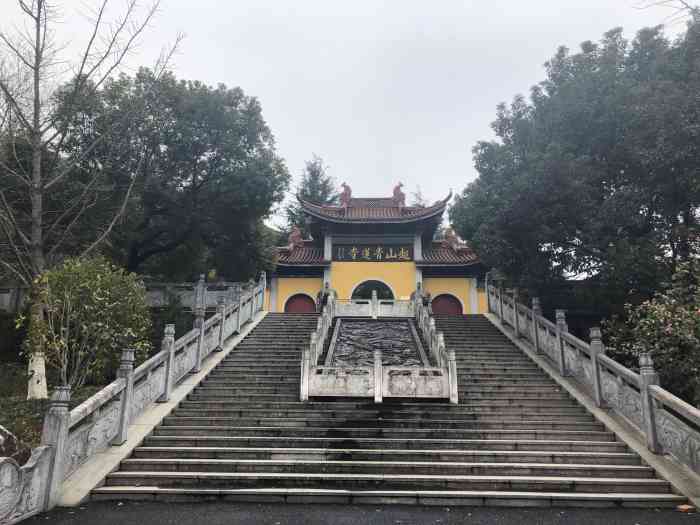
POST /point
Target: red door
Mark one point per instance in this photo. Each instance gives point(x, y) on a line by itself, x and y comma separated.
point(300, 304)
point(446, 304)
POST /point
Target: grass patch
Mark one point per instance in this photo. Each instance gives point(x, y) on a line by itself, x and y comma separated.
point(25, 418)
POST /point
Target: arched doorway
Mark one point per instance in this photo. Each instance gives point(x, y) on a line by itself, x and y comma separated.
point(364, 291)
point(446, 304)
point(300, 304)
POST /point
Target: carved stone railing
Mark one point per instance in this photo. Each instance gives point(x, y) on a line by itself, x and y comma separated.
point(158, 294)
point(71, 438)
point(373, 307)
point(439, 381)
point(669, 424)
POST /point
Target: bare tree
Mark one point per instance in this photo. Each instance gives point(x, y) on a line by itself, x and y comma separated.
point(678, 9)
point(41, 95)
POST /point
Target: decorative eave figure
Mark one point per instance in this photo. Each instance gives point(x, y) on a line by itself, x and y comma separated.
point(399, 196)
point(345, 195)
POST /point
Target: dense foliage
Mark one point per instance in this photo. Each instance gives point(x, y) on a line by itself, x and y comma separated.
point(207, 175)
point(92, 311)
point(316, 186)
point(668, 327)
point(596, 174)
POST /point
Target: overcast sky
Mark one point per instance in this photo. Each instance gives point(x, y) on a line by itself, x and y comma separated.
point(383, 91)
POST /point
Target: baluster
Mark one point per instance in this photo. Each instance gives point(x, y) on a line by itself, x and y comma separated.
point(500, 304)
point(536, 312)
point(305, 374)
point(239, 316)
point(378, 376)
point(648, 377)
point(561, 328)
point(126, 372)
point(55, 434)
point(452, 377)
point(168, 346)
point(199, 312)
point(221, 312)
point(597, 349)
point(516, 315)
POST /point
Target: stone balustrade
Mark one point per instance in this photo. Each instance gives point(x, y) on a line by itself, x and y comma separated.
point(158, 294)
point(379, 381)
point(72, 438)
point(669, 424)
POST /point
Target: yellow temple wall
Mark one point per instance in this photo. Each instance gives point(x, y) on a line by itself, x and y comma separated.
point(459, 287)
point(399, 276)
point(288, 286)
point(483, 304)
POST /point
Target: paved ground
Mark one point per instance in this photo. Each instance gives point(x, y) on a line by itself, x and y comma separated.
point(114, 513)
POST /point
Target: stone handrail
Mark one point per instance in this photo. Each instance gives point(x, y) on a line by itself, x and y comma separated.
point(373, 307)
point(382, 381)
point(669, 424)
point(312, 353)
point(435, 341)
point(72, 438)
point(13, 297)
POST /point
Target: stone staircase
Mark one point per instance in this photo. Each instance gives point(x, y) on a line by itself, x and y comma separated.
point(515, 438)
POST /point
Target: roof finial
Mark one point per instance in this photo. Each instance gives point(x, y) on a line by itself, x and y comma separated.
point(399, 196)
point(295, 238)
point(345, 195)
point(452, 239)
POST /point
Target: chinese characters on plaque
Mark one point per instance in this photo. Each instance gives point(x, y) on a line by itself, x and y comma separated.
point(377, 253)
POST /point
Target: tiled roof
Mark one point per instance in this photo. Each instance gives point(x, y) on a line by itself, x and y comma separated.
point(300, 255)
point(374, 210)
point(443, 253)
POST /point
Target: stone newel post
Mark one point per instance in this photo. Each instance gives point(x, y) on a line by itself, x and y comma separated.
point(199, 311)
point(452, 376)
point(221, 312)
point(239, 320)
point(378, 376)
point(648, 378)
point(374, 305)
point(169, 347)
point(561, 328)
point(500, 302)
point(126, 372)
point(597, 349)
point(305, 371)
point(55, 434)
point(516, 315)
point(536, 311)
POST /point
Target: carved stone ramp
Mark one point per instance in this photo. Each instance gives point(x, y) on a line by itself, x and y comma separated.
point(516, 438)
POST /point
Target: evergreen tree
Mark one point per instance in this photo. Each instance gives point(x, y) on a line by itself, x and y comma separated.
point(317, 187)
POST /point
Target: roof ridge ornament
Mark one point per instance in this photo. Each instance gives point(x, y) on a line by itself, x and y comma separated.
point(399, 197)
point(296, 240)
point(453, 240)
point(345, 195)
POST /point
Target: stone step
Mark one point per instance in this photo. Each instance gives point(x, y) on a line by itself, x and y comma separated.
point(516, 438)
point(458, 412)
point(388, 481)
point(387, 432)
point(479, 422)
point(387, 467)
point(500, 443)
point(506, 456)
point(493, 386)
point(376, 497)
point(261, 369)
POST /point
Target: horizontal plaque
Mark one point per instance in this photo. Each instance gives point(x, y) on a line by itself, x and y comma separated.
point(372, 253)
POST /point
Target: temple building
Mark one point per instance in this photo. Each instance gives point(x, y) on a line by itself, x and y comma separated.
point(379, 244)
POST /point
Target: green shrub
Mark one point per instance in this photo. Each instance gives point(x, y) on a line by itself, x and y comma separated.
point(668, 327)
point(92, 310)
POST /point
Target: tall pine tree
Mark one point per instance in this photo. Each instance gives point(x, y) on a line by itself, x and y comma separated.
point(316, 186)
